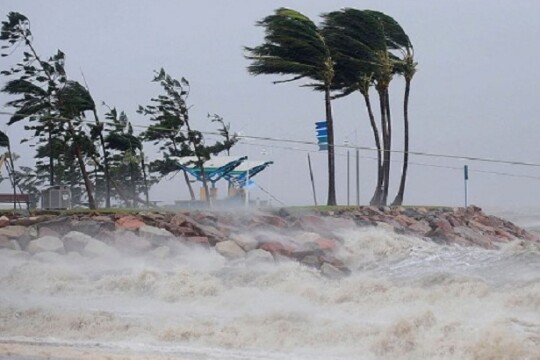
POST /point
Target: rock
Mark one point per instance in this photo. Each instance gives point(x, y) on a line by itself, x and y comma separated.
point(161, 252)
point(131, 243)
point(326, 244)
point(11, 244)
point(155, 235)
point(275, 247)
point(420, 227)
point(331, 271)
point(272, 220)
point(245, 241)
point(386, 227)
point(311, 260)
point(74, 256)
point(14, 245)
point(129, 222)
point(45, 231)
point(201, 240)
point(75, 241)
point(259, 256)
point(89, 227)
point(4, 241)
point(45, 243)
point(230, 249)
point(13, 231)
point(47, 256)
point(4, 221)
point(96, 248)
point(59, 224)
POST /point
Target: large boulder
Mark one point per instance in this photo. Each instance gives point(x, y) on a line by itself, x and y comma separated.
point(96, 248)
point(14, 231)
point(45, 243)
point(130, 242)
point(230, 249)
point(129, 222)
point(245, 241)
point(155, 235)
point(259, 256)
point(75, 241)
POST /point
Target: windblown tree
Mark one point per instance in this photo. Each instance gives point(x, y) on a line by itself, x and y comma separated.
point(174, 130)
point(127, 159)
point(365, 45)
point(52, 104)
point(4, 143)
point(356, 38)
point(293, 45)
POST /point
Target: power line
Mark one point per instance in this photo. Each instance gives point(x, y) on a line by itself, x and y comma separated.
point(410, 162)
point(312, 143)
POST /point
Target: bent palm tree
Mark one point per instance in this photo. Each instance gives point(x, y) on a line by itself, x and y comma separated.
point(294, 45)
point(355, 37)
point(398, 40)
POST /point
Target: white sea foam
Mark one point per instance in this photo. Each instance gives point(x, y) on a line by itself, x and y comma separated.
point(406, 298)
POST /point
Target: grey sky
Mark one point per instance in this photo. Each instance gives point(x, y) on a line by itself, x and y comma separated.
point(475, 92)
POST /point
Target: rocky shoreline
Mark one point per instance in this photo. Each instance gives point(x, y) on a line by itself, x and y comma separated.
point(310, 237)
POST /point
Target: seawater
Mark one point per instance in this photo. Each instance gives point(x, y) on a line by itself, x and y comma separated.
point(406, 298)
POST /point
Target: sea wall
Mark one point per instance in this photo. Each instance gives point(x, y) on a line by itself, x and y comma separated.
point(310, 237)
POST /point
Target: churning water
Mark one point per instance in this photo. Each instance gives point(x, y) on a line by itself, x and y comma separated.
point(406, 299)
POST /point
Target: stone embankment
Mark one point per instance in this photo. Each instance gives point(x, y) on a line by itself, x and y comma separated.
point(311, 238)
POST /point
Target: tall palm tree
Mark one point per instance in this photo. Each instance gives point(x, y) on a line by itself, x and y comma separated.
point(407, 68)
point(355, 37)
point(294, 45)
point(396, 41)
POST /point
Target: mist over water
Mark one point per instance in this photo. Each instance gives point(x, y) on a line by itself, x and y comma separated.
point(406, 298)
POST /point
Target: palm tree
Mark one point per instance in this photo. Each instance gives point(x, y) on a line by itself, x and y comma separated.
point(407, 68)
point(396, 40)
point(294, 45)
point(355, 37)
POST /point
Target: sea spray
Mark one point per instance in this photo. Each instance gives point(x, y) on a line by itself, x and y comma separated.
point(406, 297)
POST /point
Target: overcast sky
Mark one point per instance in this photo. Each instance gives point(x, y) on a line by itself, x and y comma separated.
point(475, 93)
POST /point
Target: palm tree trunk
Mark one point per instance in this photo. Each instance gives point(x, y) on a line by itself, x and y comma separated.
point(389, 146)
point(331, 166)
point(106, 161)
point(384, 128)
point(398, 201)
point(377, 194)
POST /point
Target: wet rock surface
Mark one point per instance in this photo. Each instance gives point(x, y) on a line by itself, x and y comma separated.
point(311, 238)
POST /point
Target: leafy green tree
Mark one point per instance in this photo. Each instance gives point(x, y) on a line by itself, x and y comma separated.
point(47, 99)
point(294, 45)
point(174, 130)
point(127, 158)
point(5, 143)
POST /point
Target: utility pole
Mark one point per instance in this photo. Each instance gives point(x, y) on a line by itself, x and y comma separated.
point(357, 177)
point(312, 181)
point(466, 179)
point(348, 173)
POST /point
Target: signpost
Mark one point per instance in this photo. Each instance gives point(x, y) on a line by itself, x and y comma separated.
point(321, 128)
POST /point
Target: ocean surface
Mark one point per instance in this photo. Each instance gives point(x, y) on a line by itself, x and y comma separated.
point(406, 298)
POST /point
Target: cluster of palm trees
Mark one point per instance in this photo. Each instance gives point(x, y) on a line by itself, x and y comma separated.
point(350, 51)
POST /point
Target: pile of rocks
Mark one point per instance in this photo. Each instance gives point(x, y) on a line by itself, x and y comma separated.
point(253, 237)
